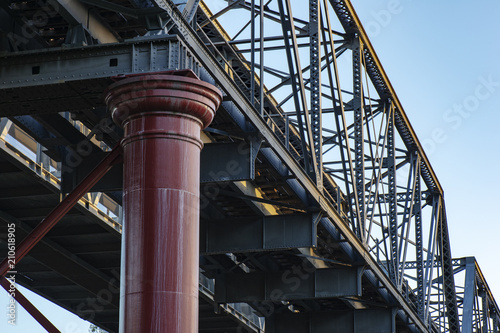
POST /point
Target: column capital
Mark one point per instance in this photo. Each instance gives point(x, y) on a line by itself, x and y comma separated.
point(162, 115)
point(163, 92)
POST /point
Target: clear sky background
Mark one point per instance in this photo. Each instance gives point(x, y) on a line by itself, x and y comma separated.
point(442, 58)
point(64, 320)
point(438, 56)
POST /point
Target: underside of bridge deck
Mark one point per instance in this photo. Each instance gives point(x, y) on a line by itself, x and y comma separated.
point(303, 225)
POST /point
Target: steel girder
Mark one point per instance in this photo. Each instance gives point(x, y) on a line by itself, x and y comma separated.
point(315, 86)
point(46, 68)
point(286, 286)
point(268, 233)
point(393, 215)
point(374, 150)
point(298, 87)
point(297, 171)
point(477, 308)
point(448, 276)
point(359, 151)
point(370, 180)
point(335, 322)
point(419, 236)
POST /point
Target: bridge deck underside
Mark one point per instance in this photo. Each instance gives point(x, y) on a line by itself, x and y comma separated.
point(272, 238)
point(77, 264)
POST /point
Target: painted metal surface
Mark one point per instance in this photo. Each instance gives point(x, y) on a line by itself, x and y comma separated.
point(387, 151)
point(360, 321)
point(162, 116)
point(66, 204)
point(266, 233)
point(287, 286)
point(94, 25)
point(89, 62)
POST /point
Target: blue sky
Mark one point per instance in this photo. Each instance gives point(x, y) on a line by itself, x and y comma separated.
point(443, 61)
point(65, 321)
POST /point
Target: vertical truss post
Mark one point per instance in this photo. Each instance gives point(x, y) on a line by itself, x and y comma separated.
point(417, 206)
point(298, 88)
point(315, 85)
point(359, 156)
point(339, 109)
point(485, 307)
point(42, 159)
point(287, 132)
point(408, 214)
point(252, 53)
point(261, 59)
point(392, 197)
point(431, 257)
point(448, 275)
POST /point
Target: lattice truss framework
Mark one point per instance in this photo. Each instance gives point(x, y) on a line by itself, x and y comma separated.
point(322, 82)
point(309, 70)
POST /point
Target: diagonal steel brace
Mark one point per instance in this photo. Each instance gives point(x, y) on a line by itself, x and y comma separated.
point(48, 223)
point(63, 207)
point(28, 306)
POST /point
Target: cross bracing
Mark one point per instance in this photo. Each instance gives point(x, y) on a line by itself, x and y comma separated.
point(304, 90)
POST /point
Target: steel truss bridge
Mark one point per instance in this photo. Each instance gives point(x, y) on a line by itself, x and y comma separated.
point(319, 209)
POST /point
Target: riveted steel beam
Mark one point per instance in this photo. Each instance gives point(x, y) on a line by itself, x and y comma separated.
point(315, 85)
point(73, 79)
point(55, 66)
point(357, 321)
point(393, 200)
point(352, 24)
point(297, 283)
point(267, 233)
point(359, 155)
point(240, 101)
point(448, 276)
point(221, 162)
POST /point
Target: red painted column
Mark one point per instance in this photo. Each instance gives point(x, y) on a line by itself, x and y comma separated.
point(162, 116)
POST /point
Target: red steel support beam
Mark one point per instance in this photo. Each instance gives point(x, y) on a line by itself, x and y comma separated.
point(62, 208)
point(162, 116)
point(28, 306)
